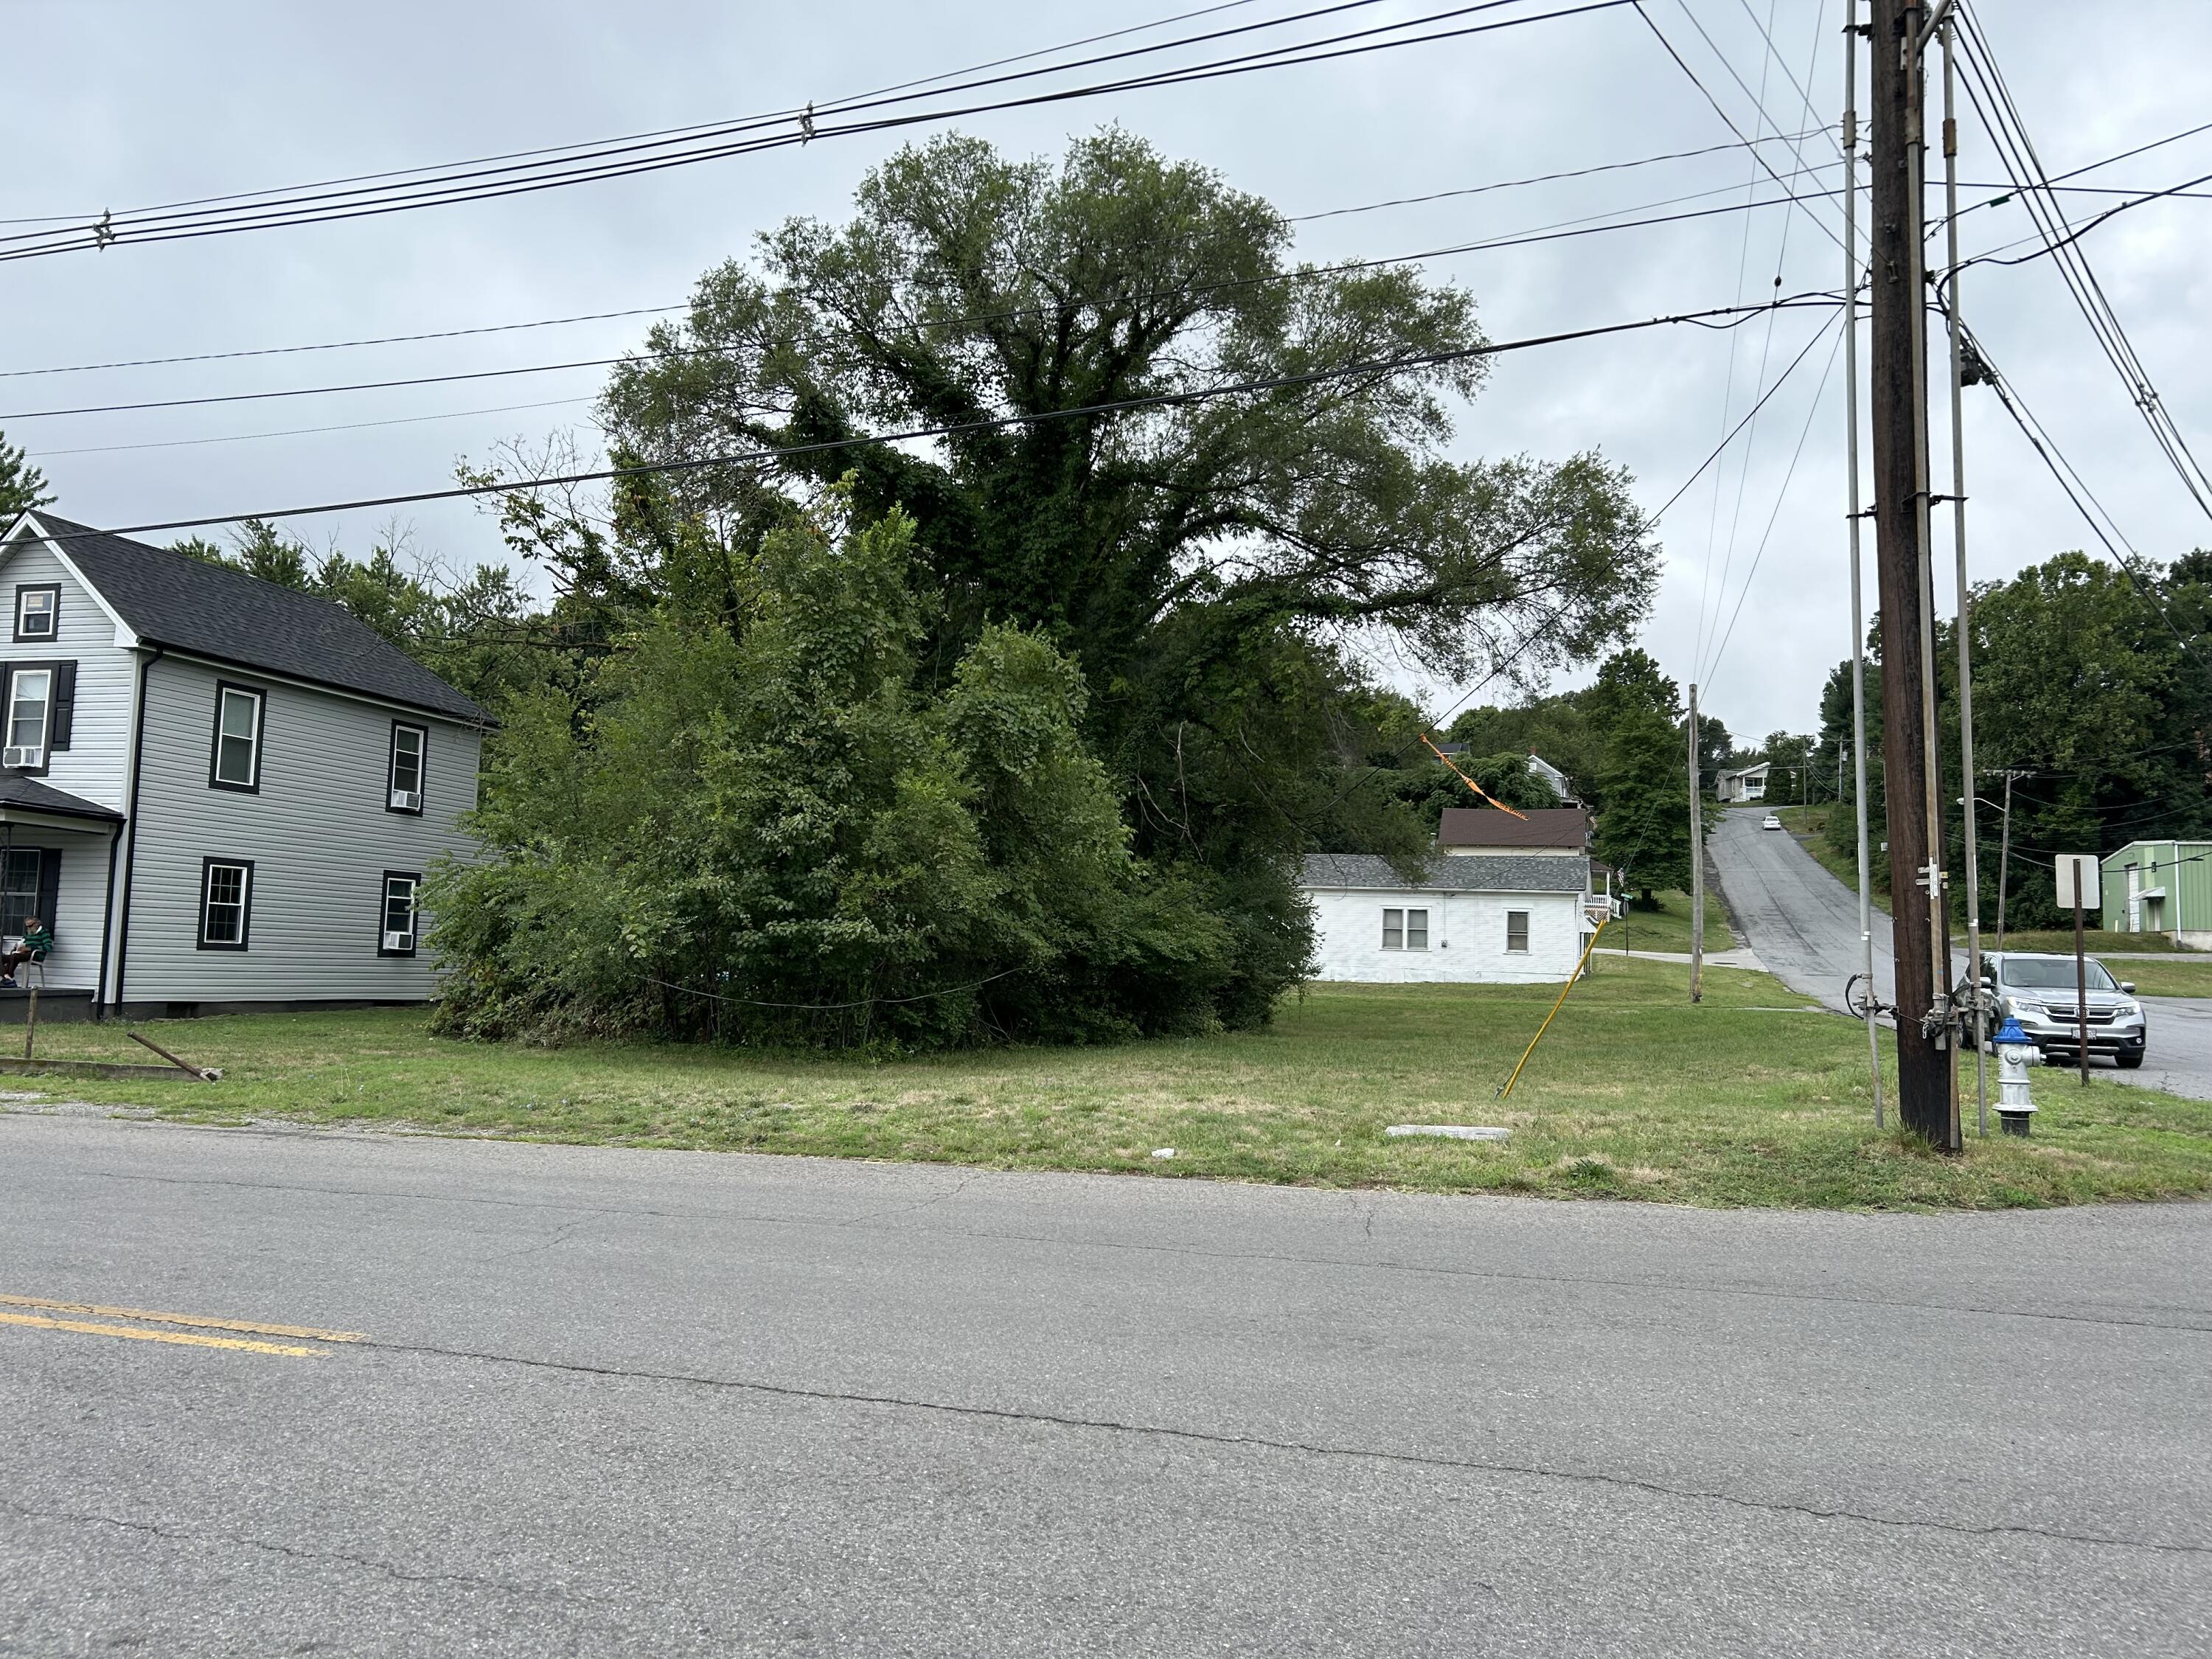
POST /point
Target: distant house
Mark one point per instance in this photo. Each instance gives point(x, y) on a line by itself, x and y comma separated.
point(1553, 778)
point(1486, 832)
point(1510, 920)
point(1749, 784)
point(219, 793)
point(2160, 887)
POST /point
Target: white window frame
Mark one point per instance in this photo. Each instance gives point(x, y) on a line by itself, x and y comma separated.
point(1422, 931)
point(28, 757)
point(1394, 923)
point(50, 591)
point(245, 902)
point(224, 691)
point(397, 799)
point(384, 935)
point(1522, 949)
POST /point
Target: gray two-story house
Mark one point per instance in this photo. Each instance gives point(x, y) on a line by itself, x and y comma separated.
point(219, 793)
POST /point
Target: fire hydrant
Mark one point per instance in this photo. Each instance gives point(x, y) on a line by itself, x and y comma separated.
point(2015, 1053)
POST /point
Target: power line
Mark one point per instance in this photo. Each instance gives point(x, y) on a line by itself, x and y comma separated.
point(310, 431)
point(1721, 317)
point(1993, 101)
point(649, 311)
point(1548, 178)
point(345, 345)
point(612, 164)
point(1570, 229)
point(847, 101)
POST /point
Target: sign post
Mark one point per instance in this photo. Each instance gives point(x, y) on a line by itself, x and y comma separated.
point(2075, 871)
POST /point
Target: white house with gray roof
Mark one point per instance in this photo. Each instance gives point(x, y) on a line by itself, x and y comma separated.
point(1472, 917)
point(218, 792)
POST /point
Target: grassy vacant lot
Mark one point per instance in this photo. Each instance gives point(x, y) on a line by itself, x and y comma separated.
point(1745, 1100)
point(1668, 928)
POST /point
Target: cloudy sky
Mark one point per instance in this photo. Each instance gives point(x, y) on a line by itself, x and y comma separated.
point(119, 105)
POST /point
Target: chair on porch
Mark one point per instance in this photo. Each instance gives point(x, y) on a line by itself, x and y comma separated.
point(35, 964)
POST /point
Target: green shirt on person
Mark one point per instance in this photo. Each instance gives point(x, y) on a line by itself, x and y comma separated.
point(39, 939)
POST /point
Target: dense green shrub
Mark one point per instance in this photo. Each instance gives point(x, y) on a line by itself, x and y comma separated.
point(776, 831)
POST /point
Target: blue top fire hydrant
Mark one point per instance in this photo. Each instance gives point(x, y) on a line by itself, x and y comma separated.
point(2015, 1053)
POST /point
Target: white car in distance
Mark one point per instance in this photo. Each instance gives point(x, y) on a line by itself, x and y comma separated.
point(1770, 822)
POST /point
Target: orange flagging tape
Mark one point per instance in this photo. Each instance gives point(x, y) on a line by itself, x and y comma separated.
point(1471, 783)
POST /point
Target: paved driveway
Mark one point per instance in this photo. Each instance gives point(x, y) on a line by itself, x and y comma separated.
point(656, 1403)
point(1804, 924)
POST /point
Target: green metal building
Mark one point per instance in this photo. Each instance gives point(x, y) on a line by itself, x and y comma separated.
point(2160, 887)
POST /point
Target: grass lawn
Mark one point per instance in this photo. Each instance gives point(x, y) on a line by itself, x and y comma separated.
point(2095, 940)
point(2176, 976)
point(1634, 1094)
point(1668, 928)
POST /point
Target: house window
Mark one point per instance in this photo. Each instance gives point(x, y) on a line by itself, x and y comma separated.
point(30, 700)
point(38, 611)
point(1417, 930)
point(20, 870)
point(403, 791)
point(396, 937)
point(1516, 930)
point(1393, 930)
point(235, 762)
point(225, 903)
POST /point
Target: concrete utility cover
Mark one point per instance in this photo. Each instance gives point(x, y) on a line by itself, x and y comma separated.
point(1448, 1131)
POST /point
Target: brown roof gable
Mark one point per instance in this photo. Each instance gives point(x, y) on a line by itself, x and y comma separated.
point(1485, 826)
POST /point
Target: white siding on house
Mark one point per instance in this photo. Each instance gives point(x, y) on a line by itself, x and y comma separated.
point(317, 832)
point(1466, 937)
point(81, 903)
point(97, 761)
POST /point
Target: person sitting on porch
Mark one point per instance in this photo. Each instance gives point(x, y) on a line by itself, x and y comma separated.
point(37, 941)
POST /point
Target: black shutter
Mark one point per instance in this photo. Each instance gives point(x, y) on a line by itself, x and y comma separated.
point(50, 886)
point(64, 714)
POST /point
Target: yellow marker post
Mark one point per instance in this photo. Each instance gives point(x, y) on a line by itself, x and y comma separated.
point(1554, 1014)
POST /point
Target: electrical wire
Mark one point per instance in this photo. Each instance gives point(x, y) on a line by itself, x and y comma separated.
point(2001, 117)
point(1717, 317)
point(301, 212)
point(1569, 229)
point(649, 311)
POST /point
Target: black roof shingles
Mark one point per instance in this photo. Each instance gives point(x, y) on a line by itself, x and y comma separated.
point(1460, 872)
point(173, 599)
point(17, 790)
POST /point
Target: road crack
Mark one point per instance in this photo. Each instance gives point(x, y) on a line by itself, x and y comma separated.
point(1313, 1448)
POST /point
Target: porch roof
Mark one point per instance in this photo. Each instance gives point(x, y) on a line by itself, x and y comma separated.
point(29, 795)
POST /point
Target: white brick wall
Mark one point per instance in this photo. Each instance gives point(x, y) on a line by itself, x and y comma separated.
point(1466, 937)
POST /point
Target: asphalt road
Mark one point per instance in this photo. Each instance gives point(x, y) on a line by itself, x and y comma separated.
point(1804, 925)
point(610, 1401)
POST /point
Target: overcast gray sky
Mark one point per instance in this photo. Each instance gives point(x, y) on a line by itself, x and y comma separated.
point(118, 106)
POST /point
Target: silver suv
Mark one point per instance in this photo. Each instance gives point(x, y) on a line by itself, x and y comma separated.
point(2039, 991)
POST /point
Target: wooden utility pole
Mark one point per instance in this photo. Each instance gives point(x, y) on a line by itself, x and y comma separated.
point(1697, 865)
point(1927, 1100)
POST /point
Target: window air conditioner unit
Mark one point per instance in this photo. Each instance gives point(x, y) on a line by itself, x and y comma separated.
point(399, 941)
point(25, 755)
point(407, 800)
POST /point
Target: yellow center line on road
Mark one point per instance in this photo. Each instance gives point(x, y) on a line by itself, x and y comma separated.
point(185, 1338)
point(195, 1320)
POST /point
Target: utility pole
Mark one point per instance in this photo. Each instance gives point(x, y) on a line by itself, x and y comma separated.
point(1697, 865)
point(1966, 630)
point(1926, 1074)
point(2004, 852)
point(1854, 518)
